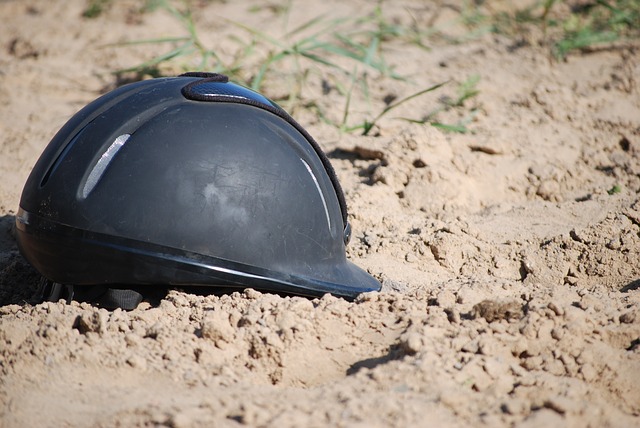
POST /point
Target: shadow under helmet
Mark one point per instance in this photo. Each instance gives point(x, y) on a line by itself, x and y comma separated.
point(188, 180)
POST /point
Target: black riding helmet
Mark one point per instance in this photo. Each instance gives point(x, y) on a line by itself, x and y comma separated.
point(189, 180)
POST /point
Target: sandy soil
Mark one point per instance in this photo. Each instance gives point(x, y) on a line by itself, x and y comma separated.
point(510, 274)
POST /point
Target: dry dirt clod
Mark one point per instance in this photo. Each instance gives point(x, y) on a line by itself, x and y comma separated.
point(492, 310)
point(93, 321)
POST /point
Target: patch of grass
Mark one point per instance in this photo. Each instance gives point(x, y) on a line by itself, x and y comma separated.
point(465, 91)
point(181, 46)
point(317, 45)
point(316, 42)
point(311, 47)
point(369, 124)
point(459, 127)
point(567, 26)
point(376, 30)
point(95, 8)
point(597, 23)
point(615, 189)
point(296, 45)
point(328, 42)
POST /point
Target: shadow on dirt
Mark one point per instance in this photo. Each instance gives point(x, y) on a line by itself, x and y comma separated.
point(7, 234)
point(395, 353)
point(18, 280)
point(633, 285)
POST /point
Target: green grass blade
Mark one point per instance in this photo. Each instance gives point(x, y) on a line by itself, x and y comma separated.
point(256, 83)
point(308, 24)
point(584, 39)
point(259, 34)
point(460, 129)
point(150, 41)
point(329, 27)
point(369, 125)
point(467, 90)
point(319, 59)
point(182, 50)
point(347, 103)
point(371, 51)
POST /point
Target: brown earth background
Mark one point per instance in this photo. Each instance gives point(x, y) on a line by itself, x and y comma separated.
point(509, 254)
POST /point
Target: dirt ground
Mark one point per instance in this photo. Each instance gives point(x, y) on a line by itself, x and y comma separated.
point(509, 256)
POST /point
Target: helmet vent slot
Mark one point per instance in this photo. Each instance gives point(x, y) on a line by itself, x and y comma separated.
point(101, 166)
point(215, 90)
point(63, 153)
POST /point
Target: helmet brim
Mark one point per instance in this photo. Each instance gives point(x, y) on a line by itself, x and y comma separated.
point(68, 255)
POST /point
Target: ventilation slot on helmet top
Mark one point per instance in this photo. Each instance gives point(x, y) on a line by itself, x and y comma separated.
point(63, 153)
point(216, 89)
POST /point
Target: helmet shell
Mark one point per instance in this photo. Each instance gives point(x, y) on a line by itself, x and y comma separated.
point(187, 181)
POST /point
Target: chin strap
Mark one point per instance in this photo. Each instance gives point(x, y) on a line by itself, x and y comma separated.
point(100, 295)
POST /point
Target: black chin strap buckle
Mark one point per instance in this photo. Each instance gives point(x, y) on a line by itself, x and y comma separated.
point(100, 295)
point(49, 291)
